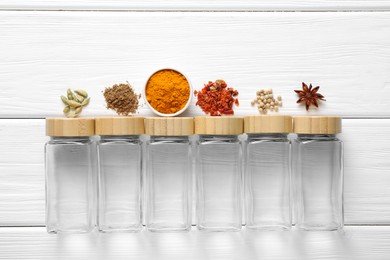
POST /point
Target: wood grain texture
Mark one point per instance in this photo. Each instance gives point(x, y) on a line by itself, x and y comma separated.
point(120, 125)
point(346, 53)
point(317, 125)
point(22, 175)
point(268, 124)
point(201, 5)
point(70, 126)
point(356, 243)
point(169, 126)
point(367, 171)
point(215, 125)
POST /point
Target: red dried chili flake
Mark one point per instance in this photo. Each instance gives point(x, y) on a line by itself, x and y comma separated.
point(216, 98)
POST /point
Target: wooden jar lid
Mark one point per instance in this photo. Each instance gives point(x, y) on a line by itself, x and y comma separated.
point(169, 126)
point(317, 124)
point(268, 124)
point(133, 125)
point(70, 126)
point(214, 125)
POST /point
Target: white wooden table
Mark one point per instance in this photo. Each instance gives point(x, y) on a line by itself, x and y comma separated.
point(354, 243)
point(47, 46)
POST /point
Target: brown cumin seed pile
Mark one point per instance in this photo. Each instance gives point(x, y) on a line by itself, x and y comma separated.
point(122, 99)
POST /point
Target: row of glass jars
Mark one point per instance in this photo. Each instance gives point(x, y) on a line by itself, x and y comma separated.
point(266, 158)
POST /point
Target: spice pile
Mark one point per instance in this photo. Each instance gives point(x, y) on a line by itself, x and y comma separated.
point(74, 102)
point(122, 99)
point(265, 101)
point(216, 98)
point(167, 91)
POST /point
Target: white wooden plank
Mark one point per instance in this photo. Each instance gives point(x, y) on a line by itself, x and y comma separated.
point(346, 53)
point(355, 243)
point(367, 171)
point(21, 141)
point(22, 175)
point(202, 5)
point(22, 195)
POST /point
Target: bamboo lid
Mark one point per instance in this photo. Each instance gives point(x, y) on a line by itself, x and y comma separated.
point(133, 125)
point(317, 124)
point(213, 125)
point(268, 124)
point(169, 126)
point(70, 126)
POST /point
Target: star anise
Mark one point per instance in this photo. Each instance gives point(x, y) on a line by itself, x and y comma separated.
point(309, 95)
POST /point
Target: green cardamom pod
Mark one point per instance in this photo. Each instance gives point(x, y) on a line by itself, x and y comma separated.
point(78, 98)
point(85, 102)
point(70, 94)
point(82, 93)
point(66, 110)
point(78, 110)
point(64, 99)
point(73, 103)
point(71, 115)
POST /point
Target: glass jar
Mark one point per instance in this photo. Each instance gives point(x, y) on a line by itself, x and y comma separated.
point(318, 156)
point(120, 173)
point(168, 174)
point(267, 172)
point(218, 173)
point(70, 200)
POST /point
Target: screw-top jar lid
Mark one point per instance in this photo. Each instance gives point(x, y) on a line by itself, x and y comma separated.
point(213, 125)
point(317, 124)
point(268, 124)
point(131, 125)
point(169, 126)
point(70, 126)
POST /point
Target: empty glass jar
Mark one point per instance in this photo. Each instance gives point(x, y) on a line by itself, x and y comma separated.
point(168, 173)
point(218, 173)
point(120, 173)
point(70, 200)
point(318, 159)
point(267, 172)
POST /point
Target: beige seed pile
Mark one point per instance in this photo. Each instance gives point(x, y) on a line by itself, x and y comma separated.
point(265, 101)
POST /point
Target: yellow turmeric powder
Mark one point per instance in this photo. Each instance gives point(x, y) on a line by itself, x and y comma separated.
point(167, 91)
